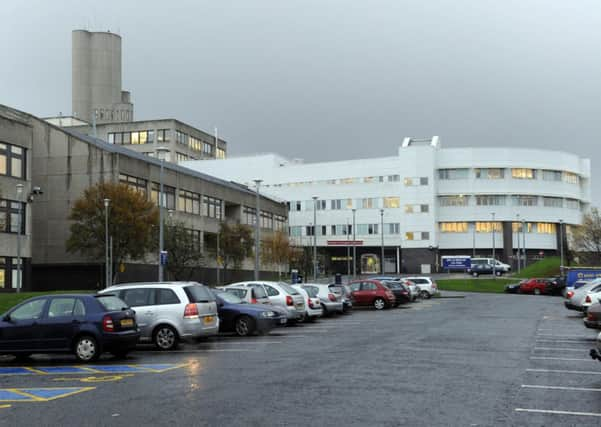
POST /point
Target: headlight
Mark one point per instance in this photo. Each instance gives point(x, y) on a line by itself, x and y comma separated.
point(268, 314)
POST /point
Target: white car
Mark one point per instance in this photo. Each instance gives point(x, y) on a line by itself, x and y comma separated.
point(330, 300)
point(575, 299)
point(313, 309)
point(592, 297)
point(427, 287)
point(280, 294)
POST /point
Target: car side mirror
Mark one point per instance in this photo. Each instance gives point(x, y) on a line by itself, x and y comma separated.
point(220, 304)
point(6, 318)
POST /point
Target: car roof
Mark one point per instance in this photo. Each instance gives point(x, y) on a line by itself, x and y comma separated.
point(155, 284)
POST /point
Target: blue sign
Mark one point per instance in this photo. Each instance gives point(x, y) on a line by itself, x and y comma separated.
point(586, 274)
point(163, 257)
point(456, 262)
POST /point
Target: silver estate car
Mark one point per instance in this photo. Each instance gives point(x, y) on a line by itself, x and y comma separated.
point(280, 294)
point(330, 301)
point(167, 312)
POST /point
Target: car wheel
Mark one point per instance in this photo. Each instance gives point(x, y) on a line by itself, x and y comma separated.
point(536, 291)
point(379, 304)
point(424, 295)
point(165, 337)
point(86, 348)
point(244, 326)
point(474, 273)
point(498, 273)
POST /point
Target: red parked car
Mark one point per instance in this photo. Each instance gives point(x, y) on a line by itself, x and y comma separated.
point(533, 286)
point(372, 292)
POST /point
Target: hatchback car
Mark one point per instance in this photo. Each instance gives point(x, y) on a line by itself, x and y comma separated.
point(345, 292)
point(252, 294)
point(401, 292)
point(85, 325)
point(329, 299)
point(593, 316)
point(280, 294)
point(169, 312)
point(372, 292)
point(533, 286)
point(313, 309)
point(427, 287)
point(576, 298)
point(236, 315)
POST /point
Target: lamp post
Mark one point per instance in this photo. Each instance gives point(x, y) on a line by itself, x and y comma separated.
point(315, 237)
point(494, 260)
point(525, 258)
point(348, 251)
point(19, 226)
point(161, 151)
point(382, 242)
point(518, 239)
point(107, 271)
point(257, 226)
point(474, 240)
point(561, 246)
point(354, 247)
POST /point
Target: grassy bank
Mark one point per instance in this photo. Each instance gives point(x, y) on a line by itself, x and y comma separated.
point(9, 300)
point(544, 268)
point(474, 285)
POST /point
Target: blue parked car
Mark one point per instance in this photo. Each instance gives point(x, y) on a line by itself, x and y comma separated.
point(246, 319)
point(85, 325)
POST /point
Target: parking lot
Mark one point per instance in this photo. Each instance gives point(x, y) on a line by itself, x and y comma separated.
point(485, 359)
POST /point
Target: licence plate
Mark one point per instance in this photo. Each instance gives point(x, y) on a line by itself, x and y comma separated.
point(127, 323)
point(282, 321)
point(208, 319)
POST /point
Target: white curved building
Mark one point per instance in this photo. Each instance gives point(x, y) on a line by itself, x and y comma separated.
point(431, 202)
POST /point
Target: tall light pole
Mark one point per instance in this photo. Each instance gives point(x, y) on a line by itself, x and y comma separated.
point(474, 240)
point(257, 226)
point(561, 246)
point(161, 151)
point(348, 251)
point(518, 239)
point(524, 242)
point(382, 243)
point(107, 271)
point(315, 238)
point(19, 226)
point(494, 260)
point(354, 246)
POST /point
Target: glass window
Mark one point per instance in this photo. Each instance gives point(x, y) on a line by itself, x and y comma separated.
point(211, 207)
point(30, 310)
point(546, 228)
point(525, 200)
point(336, 204)
point(136, 184)
point(551, 175)
point(518, 226)
point(409, 235)
point(460, 200)
point(61, 307)
point(271, 291)
point(367, 203)
point(489, 173)
point(12, 160)
point(523, 173)
point(453, 173)
point(168, 195)
point(572, 204)
point(392, 228)
point(138, 297)
point(487, 227)
point(394, 178)
point(570, 178)
point(9, 216)
point(79, 309)
point(553, 202)
point(167, 296)
point(162, 135)
point(197, 293)
point(126, 137)
point(188, 202)
point(423, 180)
point(368, 286)
point(453, 227)
point(490, 200)
point(392, 202)
point(425, 235)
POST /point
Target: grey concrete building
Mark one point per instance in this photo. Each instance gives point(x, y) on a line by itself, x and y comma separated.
point(64, 163)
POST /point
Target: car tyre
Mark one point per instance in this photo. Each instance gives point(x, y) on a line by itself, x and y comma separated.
point(424, 295)
point(244, 326)
point(379, 304)
point(475, 273)
point(498, 273)
point(86, 348)
point(536, 291)
point(165, 338)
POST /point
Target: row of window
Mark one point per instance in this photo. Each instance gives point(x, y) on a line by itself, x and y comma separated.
point(367, 179)
point(12, 160)
point(488, 227)
point(364, 203)
point(516, 173)
point(501, 200)
point(137, 137)
point(9, 217)
point(268, 220)
point(8, 272)
point(347, 230)
point(195, 144)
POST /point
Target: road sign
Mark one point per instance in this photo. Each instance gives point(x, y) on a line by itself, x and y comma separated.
point(345, 242)
point(163, 257)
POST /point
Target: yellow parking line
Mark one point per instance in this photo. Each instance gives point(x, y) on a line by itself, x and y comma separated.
point(80, 390)
point(25, 394)
point(95, 371)
point(35, 371)
point(158, 371)
point(5, 406)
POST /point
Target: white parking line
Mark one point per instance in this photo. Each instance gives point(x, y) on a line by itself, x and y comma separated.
point(242, 342)
point(558, 349)
point(221, 350)
point(554, 387)
point(546, 411)
point(561, 371)
point(562, 341)
point(561, 358)
point(580, 338)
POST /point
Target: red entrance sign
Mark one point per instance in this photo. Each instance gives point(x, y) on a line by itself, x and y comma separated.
point(345, 242)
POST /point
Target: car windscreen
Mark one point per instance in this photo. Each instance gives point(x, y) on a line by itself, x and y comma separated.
point(288, 288)
point(229, 297)
point(111, 302)
point(197, 293)
point(336, 289)
point(419, 281)
point(311, 290)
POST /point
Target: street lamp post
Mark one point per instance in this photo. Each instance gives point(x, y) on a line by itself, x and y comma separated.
point(19, 226)
point(348, 251)
point(161, 151)
point(257, 226)
point(518, 239)
point(107, 271)
point(354, 246)
point(474, 240)
point(561, 246)
point(494, 260)
point(314, 238)
point(382, 242)
point(525, 258)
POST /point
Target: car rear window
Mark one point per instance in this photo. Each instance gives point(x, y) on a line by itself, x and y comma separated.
point(198, 293)
point(419, 281)
point(229, 297)
point(288, 288)
point(111, 302)
point(258, 291)
point(393, 285)
point(311, 290)
point(240, 293)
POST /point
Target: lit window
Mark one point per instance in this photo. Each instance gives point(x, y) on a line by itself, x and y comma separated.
point(489, 173)
point(517, 227)
point(12, 160)
point(523, 173)
point(392, 202)
point(570, 178)
point(487, 227)
point(409, 235)
point(545, 228)
point(453, 227)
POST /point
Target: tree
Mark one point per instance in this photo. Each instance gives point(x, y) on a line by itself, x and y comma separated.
point(184, 251)
point(131, 221)
point(235, 245)
point(276, 250)
point(301, 259)
point(586, 238)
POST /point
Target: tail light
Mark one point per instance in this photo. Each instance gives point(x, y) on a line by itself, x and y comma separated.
point(253, 300)
point(289, 300)
point(310, 303)
point(107, 324)
point(590, 316)
point(332, 297)
point(570, 294)
point(191, 311)
point(588, 299)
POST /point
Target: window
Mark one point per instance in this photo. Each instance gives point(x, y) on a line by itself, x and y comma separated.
point(196, 238)
point(30, 310)
point(551, 175)
point(211, 207)
point(409, 235)
point(417, 235)
point(545, 228)
point(163, 135)
point(324, 230)
point(167, 296)
point(195, 144)
point(296, 231)
point(9, 217)
point(181, 157)
point(220, 153)
point(392, 228)
point(140, 137)
point(321, 205)
point(453, 173)
point(336, 204)
point(271, 291)
point(198, 293)
point(416, 208)
point(309, 230)
point(523, 173)
point(570, 178)
point(168, 195)
point(368, 286)
point(460, 200)
point(348, 180)
point(489, 173)
point(423, 180)
point(189, 202)
point(61, 307)
point(525, 200)
point(249, 215)
point(181, 138)
point(136, 184)
point(207, 148)
point(369, 179)
point(553, 202)
point(367, 203)
point(266, 220)
point(394, 178)
point(367, 229)
point(487, 227)
point(3, 268)
point(572, 204)
point(453, 227)
point(518, 226)
point(392, 202)
point(12, 160)
point(349, 203)
point(416, 181)
point(490, 200)
point(138, 297)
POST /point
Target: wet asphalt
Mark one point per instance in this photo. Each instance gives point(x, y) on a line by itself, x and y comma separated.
point(440, 362)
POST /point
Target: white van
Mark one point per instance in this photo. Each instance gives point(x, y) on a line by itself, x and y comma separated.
point(485, 266)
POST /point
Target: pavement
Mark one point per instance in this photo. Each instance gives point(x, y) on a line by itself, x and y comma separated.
point(482, 360)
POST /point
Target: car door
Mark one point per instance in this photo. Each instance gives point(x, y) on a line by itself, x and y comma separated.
point(356, 292)
point(274, 295)
point(59, 325)
point(369, 291)
point(20, 326)
point(142, 301)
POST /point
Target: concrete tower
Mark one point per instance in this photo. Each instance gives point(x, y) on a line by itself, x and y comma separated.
point(96, 78)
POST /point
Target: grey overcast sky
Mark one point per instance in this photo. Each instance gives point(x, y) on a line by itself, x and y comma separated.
point(330, 79)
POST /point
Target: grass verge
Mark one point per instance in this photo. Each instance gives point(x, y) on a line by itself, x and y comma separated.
point(544, 268)
point(8, 300)
point(496, 286)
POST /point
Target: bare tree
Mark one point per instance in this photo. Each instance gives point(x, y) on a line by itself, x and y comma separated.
point(586, 238)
